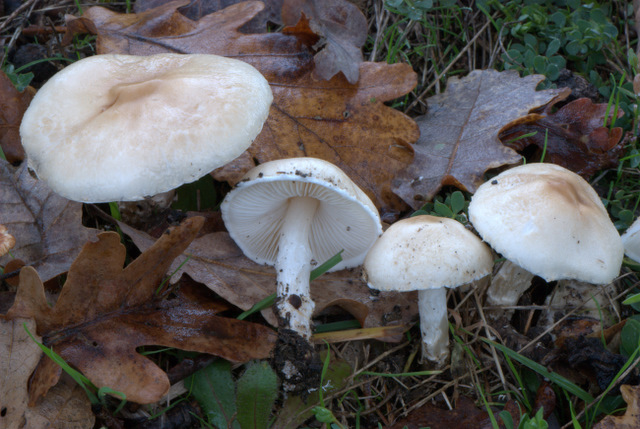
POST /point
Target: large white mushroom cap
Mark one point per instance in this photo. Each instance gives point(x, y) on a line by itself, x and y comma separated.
point(122, 127)
point(426, 252)
point(549, 221)
point(345, 218)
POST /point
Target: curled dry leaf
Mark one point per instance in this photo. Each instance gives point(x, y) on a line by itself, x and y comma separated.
point(459, 135)
point(6, 240)
point(105, 312)
point(343, 123)
point(573, 137)
point(217, 262)
point(48, 228)
point(13, 104)
point(341, 30)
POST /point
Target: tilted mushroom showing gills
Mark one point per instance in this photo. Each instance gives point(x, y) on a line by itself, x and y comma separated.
point(296, 213)
point(428, 254)
point(122, 127)
point(549, 221)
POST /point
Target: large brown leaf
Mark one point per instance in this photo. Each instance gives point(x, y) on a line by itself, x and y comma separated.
point(13, 104)
point(217, 262)
point(631, 417)
point(573, 137)
point(47, 228)
point(459, 134)
point(104, 313)
point(346, 124)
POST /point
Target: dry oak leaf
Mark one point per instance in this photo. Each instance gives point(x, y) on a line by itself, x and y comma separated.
point(218, 263)
point(19, 355)
point(7, 241)
point(459, 134)
point(346, 124)
point(341, 28)
point(47, 228)
point(104, 312)
point(631, 417)
point(13, 104)
point(572, 137)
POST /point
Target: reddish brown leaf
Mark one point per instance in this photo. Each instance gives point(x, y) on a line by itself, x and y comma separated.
point(47, 228)
point(104, 312)
point(346, 124)
point(459, 135)
point(13, 104)
point(342, 29)
point(575, 137)
point(217, 262)
point(631, 417)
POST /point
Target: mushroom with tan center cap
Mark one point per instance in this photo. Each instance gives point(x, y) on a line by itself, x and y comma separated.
point(549, 221)
point(294, 213)
point(122, 127)
point(428, 254)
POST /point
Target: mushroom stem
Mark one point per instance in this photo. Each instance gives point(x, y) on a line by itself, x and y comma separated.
point(432, 305)
point(293, 267)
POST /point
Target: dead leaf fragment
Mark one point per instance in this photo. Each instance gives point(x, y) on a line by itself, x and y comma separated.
point(104, 313)
point(19, 355)
point(48, 228)
point(6, 240)
point(631, 417)
point(13, 104)
point(341, 28)
point(343, 123)
point(573, 137)
point(459, 134)
point(217, 262)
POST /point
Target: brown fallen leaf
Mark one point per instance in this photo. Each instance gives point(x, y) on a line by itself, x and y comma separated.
point(13, 104)
point(341, 28)
point(631, 417)
point(459, 134)
point(48, 228)
point(104, 313)
point(19, 355)
point(346, 124)
point(66, 406)
point(217, 262)
point(7, 241)
point(573, 137)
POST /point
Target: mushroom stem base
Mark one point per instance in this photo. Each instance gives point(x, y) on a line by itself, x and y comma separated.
point(432, 304)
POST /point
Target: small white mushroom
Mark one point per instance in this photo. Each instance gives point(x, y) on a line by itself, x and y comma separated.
point(295, 213)
point(122, 127)
point(428, 254)
point(631, 241)
point(549, 221)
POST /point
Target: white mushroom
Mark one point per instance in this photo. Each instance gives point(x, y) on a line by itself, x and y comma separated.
point(295, 213)
point(631, 241)
point(122, 127)
point(428, 254)
point(549, 221)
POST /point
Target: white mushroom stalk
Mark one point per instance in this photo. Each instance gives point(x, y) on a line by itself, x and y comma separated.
point(428, 254)
point(293, 265)
point(296, 213)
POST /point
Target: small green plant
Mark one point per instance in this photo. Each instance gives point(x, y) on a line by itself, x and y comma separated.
point(19, 80)
point(453, 206)
point(526, 422)
point(323, 414)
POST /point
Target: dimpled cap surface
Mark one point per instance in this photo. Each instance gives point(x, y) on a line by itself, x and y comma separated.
point(549, 221)
point(122, 127)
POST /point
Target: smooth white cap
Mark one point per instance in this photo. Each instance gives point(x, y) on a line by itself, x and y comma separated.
point(122, 127)
point(345, 219)
point(426, 252)
point(631, 241)
point(549, 221)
